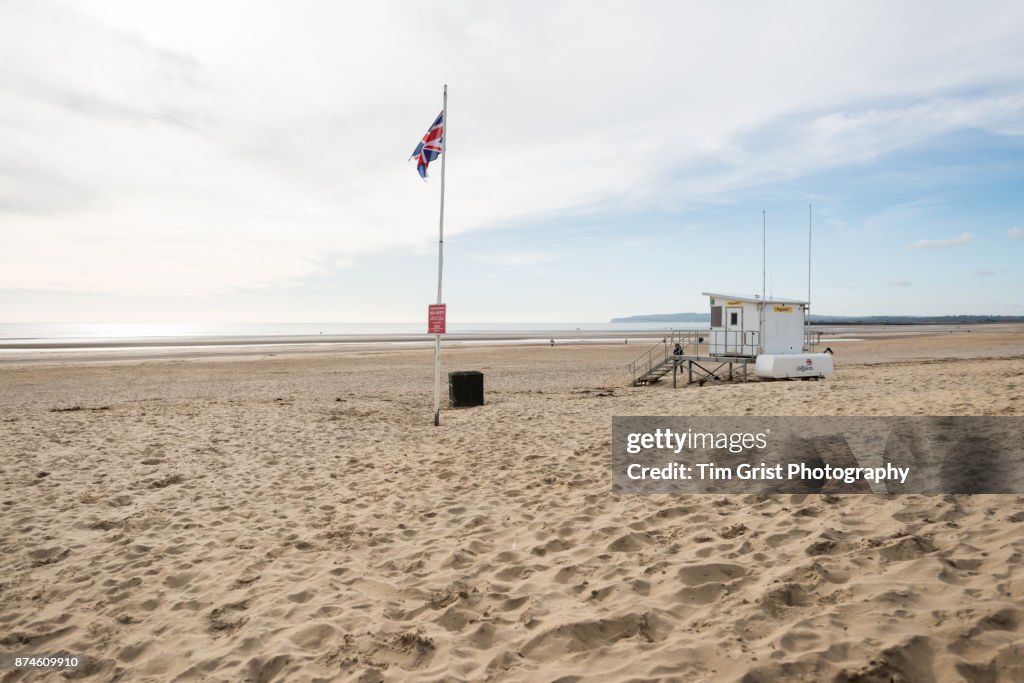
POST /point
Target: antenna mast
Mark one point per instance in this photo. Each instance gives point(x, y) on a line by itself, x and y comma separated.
point(764, 241)
point(810, 223)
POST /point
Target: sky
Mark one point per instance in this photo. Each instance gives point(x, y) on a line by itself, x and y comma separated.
point(248, 161)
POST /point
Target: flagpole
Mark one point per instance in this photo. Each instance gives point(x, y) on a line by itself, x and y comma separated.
point(440, 260)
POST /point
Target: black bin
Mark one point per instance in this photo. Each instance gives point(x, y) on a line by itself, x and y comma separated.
point(466, 388)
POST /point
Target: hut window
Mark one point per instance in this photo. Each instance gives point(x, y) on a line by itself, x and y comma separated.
point(734, 318)
point(716, 316)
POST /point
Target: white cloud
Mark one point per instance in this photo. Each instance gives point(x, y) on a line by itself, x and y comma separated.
point(512, 258)
point(200, 148)
point(985, 272)
point(899, 283)
point(1015, 233)
point(966, 238)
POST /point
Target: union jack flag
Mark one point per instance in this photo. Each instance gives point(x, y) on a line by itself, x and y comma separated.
point(430, 147)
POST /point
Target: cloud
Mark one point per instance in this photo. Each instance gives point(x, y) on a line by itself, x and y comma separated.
point(985, 272)
point(512, 258)
point(899, 283)
point(898, 216)
point(1015, 233)
point(145, 156)
point(966, 238)
point(637, 243)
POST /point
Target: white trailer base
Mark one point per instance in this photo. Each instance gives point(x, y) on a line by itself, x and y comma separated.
point(793, 365)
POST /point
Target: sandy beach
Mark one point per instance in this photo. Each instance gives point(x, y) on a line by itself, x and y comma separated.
point(296, 516)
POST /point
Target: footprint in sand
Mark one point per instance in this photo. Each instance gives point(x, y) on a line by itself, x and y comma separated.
point(695, 575)
point(704, 594)
point(779, 600)
point(907, 548)
point(583, 636)
point(45, 556)
point(179, 580)
point(226, 618)
point(629, 543)
point(264, 669)
point(313, 636)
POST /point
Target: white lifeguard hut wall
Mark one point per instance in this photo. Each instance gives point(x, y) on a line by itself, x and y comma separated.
point(750, 326)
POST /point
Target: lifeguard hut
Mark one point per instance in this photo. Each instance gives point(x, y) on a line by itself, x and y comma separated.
point(750, 326)
point(768, 333)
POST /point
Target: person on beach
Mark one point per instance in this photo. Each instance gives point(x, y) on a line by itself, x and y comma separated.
point(678, 350)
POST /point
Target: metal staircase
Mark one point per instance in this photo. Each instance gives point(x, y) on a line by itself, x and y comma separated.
point(653, 365)
point(658, 361)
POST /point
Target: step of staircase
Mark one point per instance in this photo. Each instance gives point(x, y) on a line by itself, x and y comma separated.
point(656, 373)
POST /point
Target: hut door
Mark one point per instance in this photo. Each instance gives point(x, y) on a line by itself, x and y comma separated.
point(734, 329)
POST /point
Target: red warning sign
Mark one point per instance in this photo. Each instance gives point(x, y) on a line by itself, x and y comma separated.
point(436, 318)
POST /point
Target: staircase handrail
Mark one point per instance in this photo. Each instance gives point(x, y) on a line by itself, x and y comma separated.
point(811, 339)
point(646, 361)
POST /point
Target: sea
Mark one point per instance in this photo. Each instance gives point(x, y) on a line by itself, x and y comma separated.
point(17, 338)
point(67, 331)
